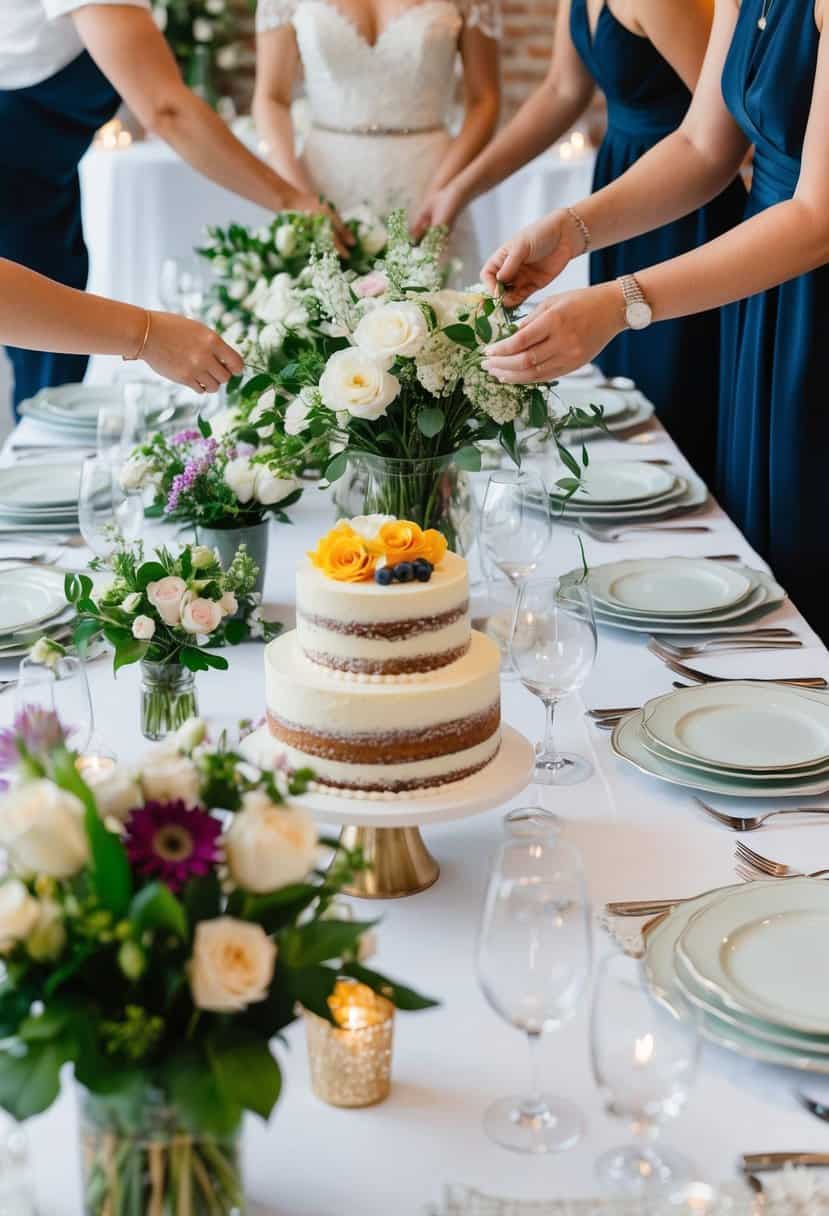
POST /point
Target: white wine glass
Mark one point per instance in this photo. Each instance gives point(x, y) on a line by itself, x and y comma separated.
point(644, 1054)
point(183, 285)
point(553, 648)
point(121, 423)
point(63, 690)
point(515, 528)
point(534, 953)
point(108, 516)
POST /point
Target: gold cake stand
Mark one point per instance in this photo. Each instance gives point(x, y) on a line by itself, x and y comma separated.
point(387, 829)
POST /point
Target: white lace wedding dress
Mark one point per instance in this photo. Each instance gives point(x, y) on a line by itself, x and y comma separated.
point(379, 111)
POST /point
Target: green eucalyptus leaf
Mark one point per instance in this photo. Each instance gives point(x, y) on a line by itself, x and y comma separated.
point(431, 421)
point(402, 997)
point(244, 1069)
point(336, 467)
point(462, 335)
point(468, 458)
point(155, 907)
point(321, 941)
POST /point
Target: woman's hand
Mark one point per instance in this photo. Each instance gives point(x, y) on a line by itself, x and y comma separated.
point(190, 353)
point(440, 207)
point(314, 205)
point(563, 333)
point(533, 258)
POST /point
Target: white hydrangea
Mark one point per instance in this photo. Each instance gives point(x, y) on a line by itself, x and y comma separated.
point(439, 364)
point(502, 402)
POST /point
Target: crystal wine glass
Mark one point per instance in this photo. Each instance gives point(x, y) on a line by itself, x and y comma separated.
point(553, 648)
point(121, 423)
point(515, 528)
point(644, 1054)
point(183, 285)
point(534, 954)
point(108, 516)
point(63, 690)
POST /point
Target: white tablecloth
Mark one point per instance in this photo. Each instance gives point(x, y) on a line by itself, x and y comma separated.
point(639, 838)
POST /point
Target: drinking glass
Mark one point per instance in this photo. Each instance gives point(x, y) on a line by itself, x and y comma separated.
point(121, 423)
point(644, 1054)
point(515, 528)
point(108, 516)
point(553, 648)
point(183, 285)
point(534, 954)
point(63, 690)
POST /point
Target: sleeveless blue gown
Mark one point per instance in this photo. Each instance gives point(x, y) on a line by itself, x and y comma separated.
point(774, 401)
point(44, 131)
point(675, 363)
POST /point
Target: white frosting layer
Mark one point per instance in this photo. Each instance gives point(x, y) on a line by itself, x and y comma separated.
point(304, 694)
point(344, 646)
point(368, 603)
point(372, 775)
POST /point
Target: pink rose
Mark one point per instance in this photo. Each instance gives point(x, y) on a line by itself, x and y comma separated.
point(200, 616)
point(166, 596)
point(373, 284)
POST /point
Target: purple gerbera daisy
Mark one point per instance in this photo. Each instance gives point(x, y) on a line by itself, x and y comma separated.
point(172, 842)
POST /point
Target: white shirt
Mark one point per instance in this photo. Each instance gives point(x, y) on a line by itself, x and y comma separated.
point(38, 38)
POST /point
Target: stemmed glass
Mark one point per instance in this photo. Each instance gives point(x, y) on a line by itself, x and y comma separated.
point(121, 424)
point(553, 648)
point(515, 527)
point(108, 516)
point(534, 954)
point(183, 285)
point(63, 690)
point(644, 1054)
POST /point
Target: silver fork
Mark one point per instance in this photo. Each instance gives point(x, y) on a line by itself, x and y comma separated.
point(772, 869)
point(609, 535)
point(704, 677)
point(667, 650)
point(750, 823)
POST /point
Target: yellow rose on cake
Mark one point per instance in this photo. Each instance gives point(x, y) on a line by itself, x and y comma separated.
point(404, 541)
point(344, 556)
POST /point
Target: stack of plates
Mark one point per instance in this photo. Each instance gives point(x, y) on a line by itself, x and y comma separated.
point(738, 738)
point(42, 497)
point(616, 490)
point(752, 960)
point(680, 595)
point(32, 603)
point(72, 409)
point(621, 409)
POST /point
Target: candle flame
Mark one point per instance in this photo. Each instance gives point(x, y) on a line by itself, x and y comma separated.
point(643, 1049)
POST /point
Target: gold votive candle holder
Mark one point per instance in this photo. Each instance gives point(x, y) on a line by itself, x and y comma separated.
point(351, 1062)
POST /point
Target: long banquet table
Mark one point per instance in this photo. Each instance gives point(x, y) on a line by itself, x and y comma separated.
point(639, 838)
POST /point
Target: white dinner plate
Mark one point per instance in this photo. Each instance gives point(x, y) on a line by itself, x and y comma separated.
point(692, 495)
point(628, 743)
point(28, 596)
point(79, 401)
point(662, 753)
point(762, 949)
point(660, 972)
point(741, 726)
point(582, 397)
point(612, 482)
point(42, 485)
point(663, 586)
point(20, 637)
point(584, 509)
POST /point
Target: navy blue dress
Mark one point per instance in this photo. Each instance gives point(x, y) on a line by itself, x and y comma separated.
point(676, 362)
point(774, 403)
point(44, 131)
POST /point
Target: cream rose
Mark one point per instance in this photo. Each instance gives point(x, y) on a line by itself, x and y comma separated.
point(42, 827)
point(143, 628)
point(357, 384)
point(190, 734)
point(368, 526)
point(116, 791)
point(166, 596)
point(229, 603)
point(134, 473)
point(202, 556)
point(270, 489)
point(167, 776)
point(392, 329)
point(232, 965)
point(200, 616)
point(19, 913)
point(240, 475)
point(269, 846)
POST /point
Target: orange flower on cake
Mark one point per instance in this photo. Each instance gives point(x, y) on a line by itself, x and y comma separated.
point(344, 556)
point(404, 541)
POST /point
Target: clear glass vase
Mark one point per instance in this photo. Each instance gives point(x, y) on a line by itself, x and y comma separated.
point(138, 1158)
point(432, 492)
point(168, 698)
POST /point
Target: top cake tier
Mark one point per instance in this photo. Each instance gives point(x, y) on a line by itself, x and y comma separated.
point(393, 630)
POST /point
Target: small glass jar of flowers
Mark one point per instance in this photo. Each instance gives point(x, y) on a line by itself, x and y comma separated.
point(158, 929)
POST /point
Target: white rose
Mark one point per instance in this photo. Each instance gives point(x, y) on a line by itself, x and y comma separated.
point(190, 734)
point(42, 827)
point(167, 776)
point(269, 846)
point(282, 305)
point(234, 332)
point(237, 289)
point(203, 30)
point(256, 297)
point(224, 423)
point(143, 628)
point(240, 475)
point(18, 914)
point(200, 616)
point(270, 489)
point(130, 602)
point(296, 415)
point(46, 652)
point(116, 791)
point(229, 603)
point(48, 937)
point(201, 556)
point(368, 526)
point(285, 240)
point(270, 338)
point(372, 231)
point(392, 329)
point(133, 475)
point(354, 382)
point(166, 595)
point(263, 406)
point(232, 965)
point(450, 305)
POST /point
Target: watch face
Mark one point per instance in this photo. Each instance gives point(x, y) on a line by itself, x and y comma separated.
point(638, 314)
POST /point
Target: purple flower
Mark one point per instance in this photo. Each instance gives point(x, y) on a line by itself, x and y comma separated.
point(195, 468)
point(172, 842)
point(185, 437)
point(37, 731)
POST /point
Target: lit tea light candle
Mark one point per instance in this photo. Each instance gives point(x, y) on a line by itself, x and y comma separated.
point(577, 140)
point(566, 151)
point(94, 768)
point(351, 1061)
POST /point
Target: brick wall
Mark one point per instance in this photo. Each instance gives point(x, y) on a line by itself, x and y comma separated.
point(525, 51)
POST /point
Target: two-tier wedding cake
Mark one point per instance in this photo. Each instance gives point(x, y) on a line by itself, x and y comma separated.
point(384, 686)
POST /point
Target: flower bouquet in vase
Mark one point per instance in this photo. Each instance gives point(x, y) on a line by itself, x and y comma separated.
point(159, 928)
point(169, 613)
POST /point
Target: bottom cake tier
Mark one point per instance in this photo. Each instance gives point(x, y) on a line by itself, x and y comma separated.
point(386, 735)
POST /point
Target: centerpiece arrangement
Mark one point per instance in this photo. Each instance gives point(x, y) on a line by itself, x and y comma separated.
point(204, 36)
point(169, 613)
point(159, 943)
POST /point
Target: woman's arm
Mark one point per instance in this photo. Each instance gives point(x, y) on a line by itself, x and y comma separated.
point(683, 172)
point(39, 314)
point(277, 66)
point(482, 96)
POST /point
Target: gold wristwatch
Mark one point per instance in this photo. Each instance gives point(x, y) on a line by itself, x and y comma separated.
point(638, 313)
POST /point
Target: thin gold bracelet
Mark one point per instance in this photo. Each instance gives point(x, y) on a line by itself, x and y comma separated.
point(582, 227)
point(144, 340)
